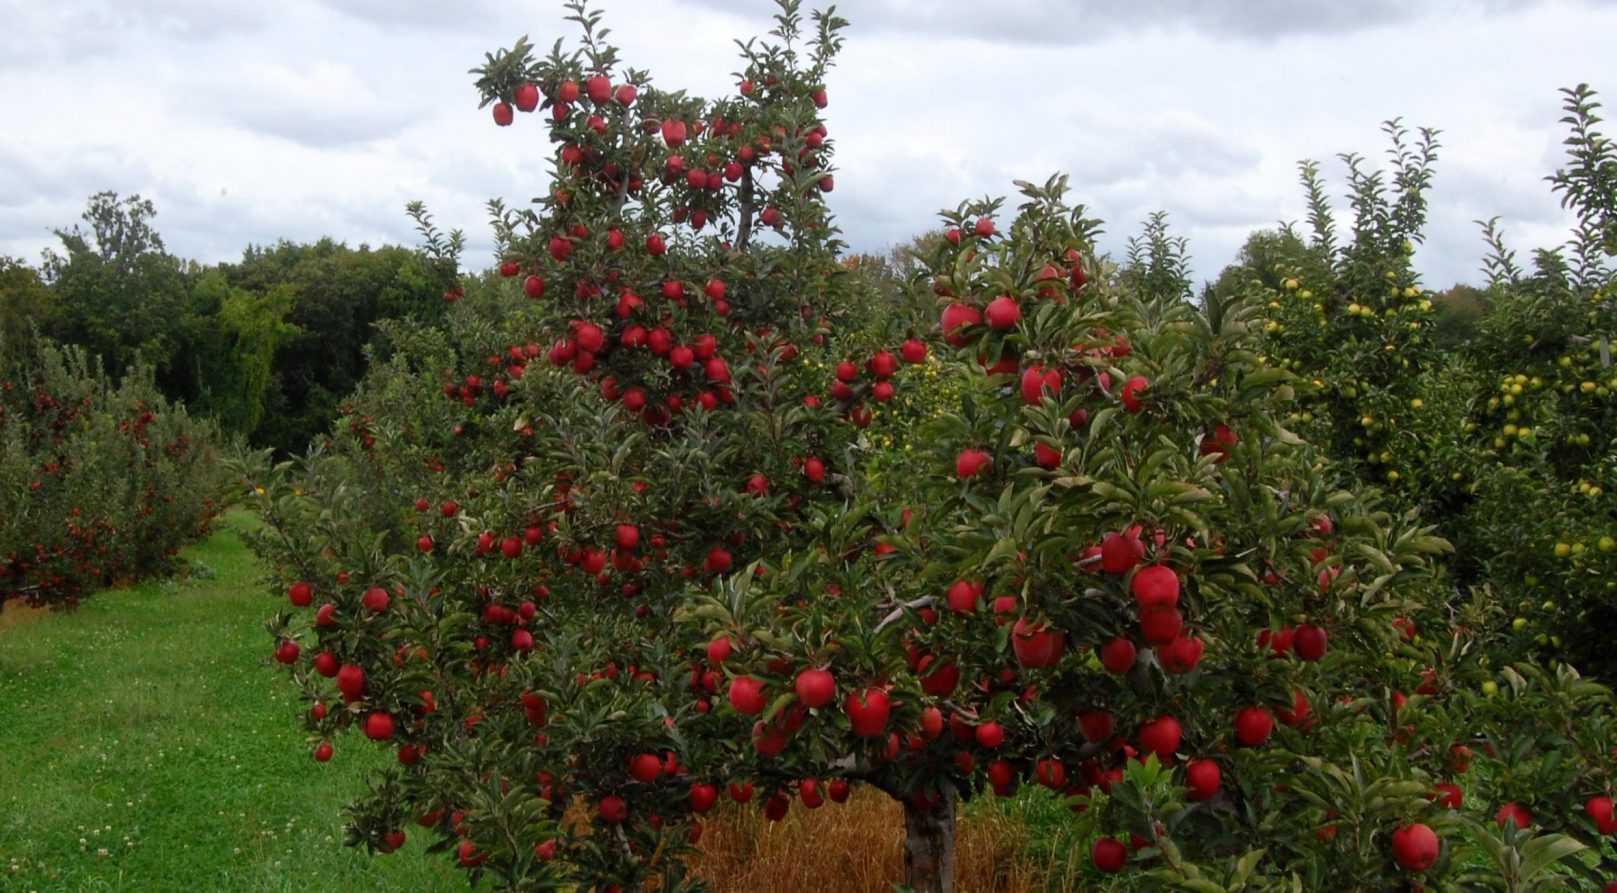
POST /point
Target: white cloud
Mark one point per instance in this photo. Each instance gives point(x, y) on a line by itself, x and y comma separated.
point(327, 116)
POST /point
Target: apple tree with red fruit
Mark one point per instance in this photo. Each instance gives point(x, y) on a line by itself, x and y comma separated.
point(605, 550)
point(669, 374)
point(1125, 581)
point(101, 480)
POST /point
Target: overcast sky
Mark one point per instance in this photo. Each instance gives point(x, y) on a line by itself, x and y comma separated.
point(248, 122)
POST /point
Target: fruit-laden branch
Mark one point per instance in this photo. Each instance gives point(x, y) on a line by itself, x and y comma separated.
point(744, 232)
point(852, 768)
point(622, 195)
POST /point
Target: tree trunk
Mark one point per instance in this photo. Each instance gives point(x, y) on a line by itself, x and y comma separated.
point(929, 846)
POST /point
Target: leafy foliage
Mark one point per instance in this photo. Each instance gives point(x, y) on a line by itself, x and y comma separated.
point(1501, 428)
point(100, 481)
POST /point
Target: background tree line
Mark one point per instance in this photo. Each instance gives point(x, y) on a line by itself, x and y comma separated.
point(267, 345)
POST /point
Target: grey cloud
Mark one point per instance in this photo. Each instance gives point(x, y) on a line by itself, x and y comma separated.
point(1121, 173)
point(320, 105)
point(459, 15)
point(1157, 151)
point(1072, 22)
point(39, 192)
point(335, 112)
point(219, 225)
point(892, 198)
point(50, 32)
point(1180, 150)
point(1486, 193)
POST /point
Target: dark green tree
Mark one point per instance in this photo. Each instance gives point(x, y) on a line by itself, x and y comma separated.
point(232, 335)
point(25, 301)
point(119, 293)
point(337, 296)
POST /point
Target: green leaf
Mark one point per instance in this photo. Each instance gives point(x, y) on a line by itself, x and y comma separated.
point(1245, 866)
point(1099, 422)
point(1545, 850)
point(779, 704)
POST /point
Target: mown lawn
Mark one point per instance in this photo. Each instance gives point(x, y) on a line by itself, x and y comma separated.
point(145, 745)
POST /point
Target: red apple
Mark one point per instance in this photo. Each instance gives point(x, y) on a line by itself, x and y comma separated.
point(645, 767)
point(351, 682)
point(1037, 381)
point(1161, 737)
point(1202, 779)
point(1109, 855)
point(1118, 655)
point(1037, 645)
point(718, 650)
point(378, 726)
point(702, 797)
point(287, 652)
point(963, 595)
point(990, 735)
point(1513, 812)
point(1415, 847)
point(747, 695)
point(1601, 812)
point(599, 89)
point(971, 462)
point(1133, 391)
point(1119, 553)
point(1310, 642)
point(614, 810)
point(1253, 725)
point(1003, 313)
point(1156, 586)
point(1097, 725)
point(956, 319)
point(815, 688)
point(526, 97)
point(868, 711)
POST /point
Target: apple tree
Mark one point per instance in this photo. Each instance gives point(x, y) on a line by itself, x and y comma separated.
point(669, 373)
point(102, 480)
point(1504, 438)
point(1124, 580)
point(625, 539)
point(1540, 520)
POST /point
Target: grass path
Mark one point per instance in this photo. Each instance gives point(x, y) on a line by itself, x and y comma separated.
point(145, 745)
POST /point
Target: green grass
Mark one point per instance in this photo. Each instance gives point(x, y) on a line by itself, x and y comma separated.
point(145, 744)
point(1055, 839)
